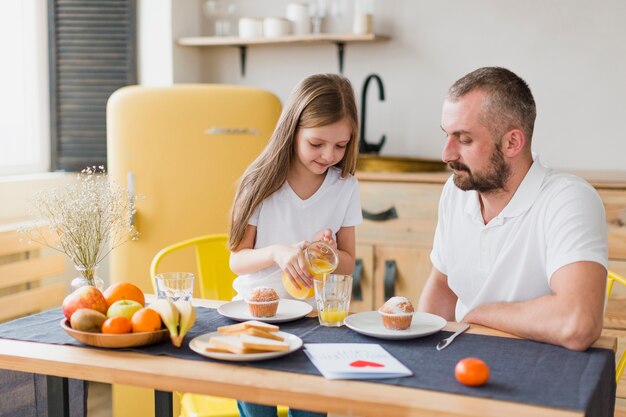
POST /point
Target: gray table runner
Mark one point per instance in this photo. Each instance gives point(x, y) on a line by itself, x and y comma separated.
point(521, 370)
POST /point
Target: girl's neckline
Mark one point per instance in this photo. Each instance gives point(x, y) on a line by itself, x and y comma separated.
point(315, 196)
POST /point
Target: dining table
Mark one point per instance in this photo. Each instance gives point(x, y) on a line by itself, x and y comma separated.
point(265, 383)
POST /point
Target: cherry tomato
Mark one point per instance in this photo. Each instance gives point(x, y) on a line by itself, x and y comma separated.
point(472, 372)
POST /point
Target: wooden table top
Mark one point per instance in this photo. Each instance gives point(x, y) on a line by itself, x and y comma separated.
point(264, 386)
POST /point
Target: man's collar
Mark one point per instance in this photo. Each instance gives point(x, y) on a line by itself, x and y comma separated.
point(522, 200)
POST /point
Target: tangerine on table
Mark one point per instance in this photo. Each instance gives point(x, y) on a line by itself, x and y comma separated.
point(123, 291)
point(145, 320)
point(116, 325)
point(472, 372)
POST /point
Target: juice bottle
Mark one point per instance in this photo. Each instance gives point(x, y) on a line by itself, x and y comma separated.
point(320, 259)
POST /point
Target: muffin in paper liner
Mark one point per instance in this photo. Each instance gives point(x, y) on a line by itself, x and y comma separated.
point(397, 313)
point(263, 302)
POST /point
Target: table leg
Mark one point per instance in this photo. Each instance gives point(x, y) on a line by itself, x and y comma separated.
point(58, 396)
point(163, 404)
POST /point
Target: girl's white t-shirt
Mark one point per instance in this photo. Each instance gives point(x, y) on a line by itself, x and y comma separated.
point(284, 218)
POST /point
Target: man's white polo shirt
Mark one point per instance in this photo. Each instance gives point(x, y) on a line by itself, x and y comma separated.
point(553, 219)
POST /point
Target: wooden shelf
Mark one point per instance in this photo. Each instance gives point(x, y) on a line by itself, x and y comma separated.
point(340, 40)
point(308, 39)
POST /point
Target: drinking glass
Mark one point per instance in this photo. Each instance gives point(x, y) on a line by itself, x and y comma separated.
point(317, 10)
point(221, 13)
point(175, 286)
point(332, 296)
point(321, 258)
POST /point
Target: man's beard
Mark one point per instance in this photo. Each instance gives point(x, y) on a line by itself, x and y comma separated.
point(492, 179)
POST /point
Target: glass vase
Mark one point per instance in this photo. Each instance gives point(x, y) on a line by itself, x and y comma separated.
point(87, 276)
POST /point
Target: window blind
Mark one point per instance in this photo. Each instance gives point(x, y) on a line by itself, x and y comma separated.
point(92, 53)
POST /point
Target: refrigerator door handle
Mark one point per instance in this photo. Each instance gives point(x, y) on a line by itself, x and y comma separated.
point(130, 180)
point(231, 131)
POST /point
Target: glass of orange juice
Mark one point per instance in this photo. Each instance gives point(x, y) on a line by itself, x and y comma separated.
point(332, 296)
point(320, 258)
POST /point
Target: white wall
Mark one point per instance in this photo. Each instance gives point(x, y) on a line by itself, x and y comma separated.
point(571, 52)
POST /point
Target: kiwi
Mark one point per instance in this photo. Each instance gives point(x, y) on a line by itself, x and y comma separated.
point(87, 320)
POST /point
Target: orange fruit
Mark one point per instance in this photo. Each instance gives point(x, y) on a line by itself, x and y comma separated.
point(123, 291)
point(116, 325)
point(472, 372)
point(145, 320)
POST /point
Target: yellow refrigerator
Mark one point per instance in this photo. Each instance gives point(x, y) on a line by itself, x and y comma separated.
point(180, 151)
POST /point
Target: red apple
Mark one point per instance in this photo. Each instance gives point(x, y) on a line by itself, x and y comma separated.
point(84, 297)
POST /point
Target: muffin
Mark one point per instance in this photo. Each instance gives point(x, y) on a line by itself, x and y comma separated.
point(397, 313)
point(263, 302)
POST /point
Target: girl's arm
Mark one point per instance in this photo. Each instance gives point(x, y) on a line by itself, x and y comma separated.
point(246, 260)
point(346, 247)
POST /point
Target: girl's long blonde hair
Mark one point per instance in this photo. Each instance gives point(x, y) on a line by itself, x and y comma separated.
point(318, 100)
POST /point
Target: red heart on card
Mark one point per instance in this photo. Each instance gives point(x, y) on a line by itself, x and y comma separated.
point(363, 364)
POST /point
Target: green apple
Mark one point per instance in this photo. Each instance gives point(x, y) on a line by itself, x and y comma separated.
point(124, 308)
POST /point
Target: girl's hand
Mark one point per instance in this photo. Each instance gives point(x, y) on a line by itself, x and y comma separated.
point(326, 235)
point(290, 258)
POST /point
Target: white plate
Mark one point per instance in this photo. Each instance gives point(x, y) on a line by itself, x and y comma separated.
point(288, 310)
point(370, 323)
point(198, 342)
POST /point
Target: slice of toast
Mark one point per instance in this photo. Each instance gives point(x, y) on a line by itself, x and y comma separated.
point(261, 343)
point(208, 347)
point(232, 344)
point(246, 325)
point(253, 331)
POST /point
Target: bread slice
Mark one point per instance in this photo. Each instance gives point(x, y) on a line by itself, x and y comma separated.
point(261, 343)
point(232, 344)
point(253, 331)
point(233, 328)
point(210, 348)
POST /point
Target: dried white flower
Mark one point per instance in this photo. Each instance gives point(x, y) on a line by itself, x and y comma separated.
point(91, 217)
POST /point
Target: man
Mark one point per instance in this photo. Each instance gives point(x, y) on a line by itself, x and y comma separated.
point(518, 247)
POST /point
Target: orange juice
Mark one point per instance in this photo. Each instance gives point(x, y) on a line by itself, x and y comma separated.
point(333, 315)
point(321, 259)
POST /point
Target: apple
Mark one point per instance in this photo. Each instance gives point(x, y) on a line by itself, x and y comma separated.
point(84, 297)
point(124, 308)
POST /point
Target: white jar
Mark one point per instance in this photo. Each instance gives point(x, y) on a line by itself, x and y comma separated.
point(298, 15)
point(363, 22)
point(250, 27)
point(276, 27)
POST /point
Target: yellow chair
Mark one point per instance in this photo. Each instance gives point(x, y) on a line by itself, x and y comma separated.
point(215, 280)
point(611, 278)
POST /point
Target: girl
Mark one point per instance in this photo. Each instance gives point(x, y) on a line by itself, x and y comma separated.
point(300, 189)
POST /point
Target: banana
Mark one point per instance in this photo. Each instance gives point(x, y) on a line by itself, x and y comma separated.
point(169, 314)
point(187, 319)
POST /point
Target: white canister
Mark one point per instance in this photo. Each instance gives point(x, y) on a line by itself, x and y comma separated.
point(363, 23)
point(250, 27)
point(297, 11)
point(276, 27)
point(298, 14)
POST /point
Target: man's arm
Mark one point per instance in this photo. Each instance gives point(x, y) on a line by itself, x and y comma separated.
point(570, 317)
point(437, 298)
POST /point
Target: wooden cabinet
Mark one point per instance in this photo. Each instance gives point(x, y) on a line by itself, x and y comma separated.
point(395, 239)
